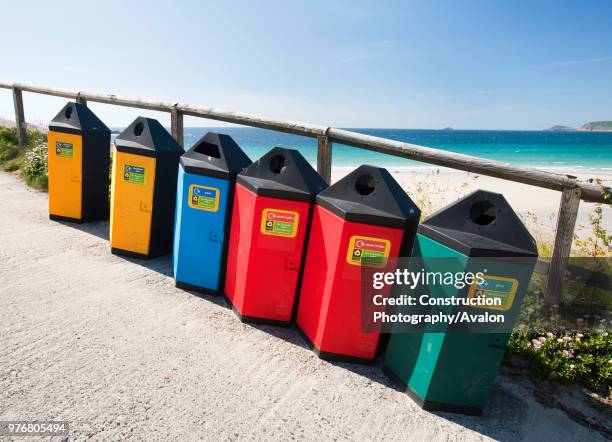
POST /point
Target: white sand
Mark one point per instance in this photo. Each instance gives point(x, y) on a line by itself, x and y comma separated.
point(432, 189)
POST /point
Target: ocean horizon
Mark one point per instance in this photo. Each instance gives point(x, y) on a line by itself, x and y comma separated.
point(579, 152)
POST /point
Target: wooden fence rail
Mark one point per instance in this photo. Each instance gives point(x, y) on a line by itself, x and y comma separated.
point(572, 190)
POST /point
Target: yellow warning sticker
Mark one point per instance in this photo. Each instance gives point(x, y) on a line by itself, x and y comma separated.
point(277, 222)
point(495, 287)
point(367, 251)
point(204, 198)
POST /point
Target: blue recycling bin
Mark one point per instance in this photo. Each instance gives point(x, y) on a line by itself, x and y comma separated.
point(204, 200)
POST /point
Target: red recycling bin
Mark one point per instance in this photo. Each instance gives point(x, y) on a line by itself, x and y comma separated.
point(364, 215)
point(271, 216)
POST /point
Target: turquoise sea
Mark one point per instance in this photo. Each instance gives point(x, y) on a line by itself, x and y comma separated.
point(555, 151)
point(580, 152)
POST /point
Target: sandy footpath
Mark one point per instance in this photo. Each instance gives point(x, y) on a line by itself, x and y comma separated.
point(111, 346)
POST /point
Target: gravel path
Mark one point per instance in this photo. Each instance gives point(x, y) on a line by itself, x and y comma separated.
point(110, 345)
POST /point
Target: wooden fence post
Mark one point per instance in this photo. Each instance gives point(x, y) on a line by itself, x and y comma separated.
point(176, 122)
point(324, 157)
point(566, 222)
point(20, 124)
point(80, 99)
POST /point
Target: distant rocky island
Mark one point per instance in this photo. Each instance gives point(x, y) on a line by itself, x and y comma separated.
point(593, 126)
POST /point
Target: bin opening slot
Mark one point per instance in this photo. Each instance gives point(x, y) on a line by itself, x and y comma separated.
point(68, 112)
point(483, 213)
point(138, 129)
point(365, 184)
point(208, 149)
point(277, 164)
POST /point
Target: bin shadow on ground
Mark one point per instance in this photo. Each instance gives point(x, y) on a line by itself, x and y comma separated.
point(506, 415)
point(287, 334)
point(506, 411)
point(160, 264)
point(96, 228)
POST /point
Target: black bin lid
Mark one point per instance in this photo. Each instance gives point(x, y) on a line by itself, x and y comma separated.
point(146, 136)
point(370, 195)
point(77, 118)
point(481, 224)
point(282, 173)
point(215, 155)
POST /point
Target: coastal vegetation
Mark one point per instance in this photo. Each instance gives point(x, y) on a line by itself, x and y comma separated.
point(560, 128)
point(593, 126)
point(597, 125)
point(582, 358)
point(30, 161)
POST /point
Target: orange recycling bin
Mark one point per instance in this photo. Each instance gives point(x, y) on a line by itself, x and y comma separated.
point(78, 163)
point(143, 191)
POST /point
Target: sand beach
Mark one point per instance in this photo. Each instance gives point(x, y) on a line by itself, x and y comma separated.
point(434, 188)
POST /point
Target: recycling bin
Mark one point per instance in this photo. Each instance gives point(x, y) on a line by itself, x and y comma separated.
point(362, 220)
point(454, 368)
point(272, 210)
point(204, 200)
point(78, 163)
point(143, 190)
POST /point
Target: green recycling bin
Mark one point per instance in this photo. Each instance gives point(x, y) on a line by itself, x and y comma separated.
point(453, 367)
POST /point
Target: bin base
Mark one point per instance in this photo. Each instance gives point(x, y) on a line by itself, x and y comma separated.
point(431, 405)
point(195, 288)
point(328, 356)
point(116, 251)
point(253, 319)
point(66, 219)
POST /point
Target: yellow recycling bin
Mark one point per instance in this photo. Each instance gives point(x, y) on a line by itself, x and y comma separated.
point(78, 163)
point(143, 190)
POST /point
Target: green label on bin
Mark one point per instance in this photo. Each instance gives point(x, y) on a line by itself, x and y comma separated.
point(63, 149)
point(203, 198)
point(133, 174)
point(495, 287)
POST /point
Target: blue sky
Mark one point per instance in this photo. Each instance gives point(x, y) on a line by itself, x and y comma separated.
point(402, 64)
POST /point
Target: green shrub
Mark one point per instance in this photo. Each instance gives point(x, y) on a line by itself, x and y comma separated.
point(35, 162)
point(570, 357)
point(14, 164)
point(36, 138)
point(8, 153)
point(40, 182)
point(8, 137)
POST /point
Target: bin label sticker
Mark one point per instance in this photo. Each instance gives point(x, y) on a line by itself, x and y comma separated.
point(204, 198)
point(134, 174)
point(278, 222)
point(63, 149)
point(373, 251)
point(495, 287)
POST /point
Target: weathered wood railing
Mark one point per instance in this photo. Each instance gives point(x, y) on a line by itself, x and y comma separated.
point(572, 190)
